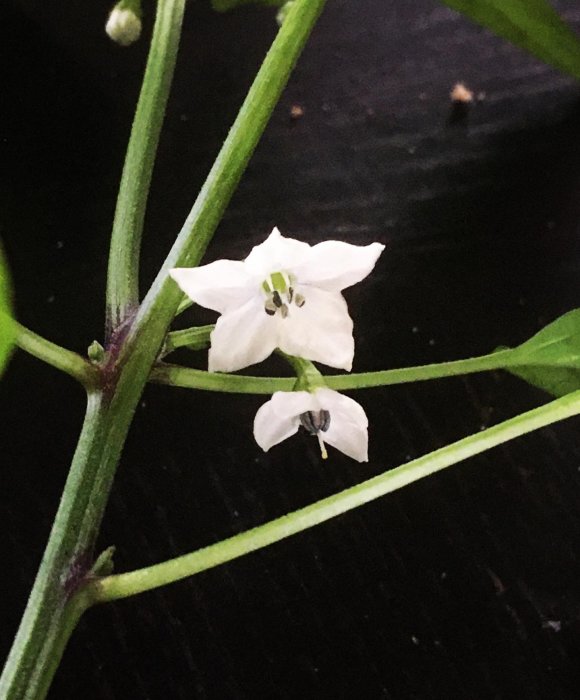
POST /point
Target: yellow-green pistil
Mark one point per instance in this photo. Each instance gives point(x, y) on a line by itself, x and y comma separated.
point(280, 293)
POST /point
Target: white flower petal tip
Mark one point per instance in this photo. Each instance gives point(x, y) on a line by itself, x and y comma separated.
point(123, 26)
point(285, 294)
point(332, 418)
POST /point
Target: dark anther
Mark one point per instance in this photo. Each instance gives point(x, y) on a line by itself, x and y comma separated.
point(276, 298)
point(290, 294)
point(315, 421)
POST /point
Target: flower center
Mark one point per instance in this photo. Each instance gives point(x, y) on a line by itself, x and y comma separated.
point(315, 423)
point(280, 294)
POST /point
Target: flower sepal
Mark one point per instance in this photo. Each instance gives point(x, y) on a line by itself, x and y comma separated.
point(308, 378)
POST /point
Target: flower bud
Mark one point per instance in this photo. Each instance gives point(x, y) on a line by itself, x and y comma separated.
point(124, 23)
point(96, 352)
point(283, 11)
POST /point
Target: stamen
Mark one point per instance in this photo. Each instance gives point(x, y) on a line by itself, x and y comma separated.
point(324, 420)
point(315, 422)
point(290, 294)
point(284, 311)
point(276, 298)
point(269, 307)
point(299, 300)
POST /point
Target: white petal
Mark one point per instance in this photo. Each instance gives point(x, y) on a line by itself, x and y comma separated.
point(335, 265)
point(276, 254)
point(348, 429)
point(242, 337)
point(279, 418)
point(321, 330)
point(221, 285)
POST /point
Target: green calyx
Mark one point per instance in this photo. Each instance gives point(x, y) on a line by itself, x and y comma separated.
point(133, 6)
point(308, 378)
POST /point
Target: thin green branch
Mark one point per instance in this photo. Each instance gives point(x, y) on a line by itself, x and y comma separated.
point(188, 378)
point(123, 273)
point(148, 578)
point(193, 338)
point(404, 375)
point(56, 356)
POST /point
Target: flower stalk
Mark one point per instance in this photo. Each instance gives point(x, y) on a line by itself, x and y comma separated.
point(123, 272)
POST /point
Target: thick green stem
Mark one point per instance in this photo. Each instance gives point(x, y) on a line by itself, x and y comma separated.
point(49, 619)
point(123, 274)
point(65, 360)
point(52, 609)
point(134, 582)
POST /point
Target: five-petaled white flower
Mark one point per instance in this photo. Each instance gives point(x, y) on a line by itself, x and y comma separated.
point(331, 417)
point(286, 295)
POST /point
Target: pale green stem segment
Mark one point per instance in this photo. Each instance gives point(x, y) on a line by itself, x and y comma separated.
point(146, 579)
point(192, 338)
point(65, 360)
point(189, 378)
point(242, 384)
point(184, 304)
point(123, 272)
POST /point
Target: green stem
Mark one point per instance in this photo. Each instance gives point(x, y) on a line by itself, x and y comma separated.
point(51, 612)
point(193, 338)
point(48, 618)
point(123, 273)
point(366, 380)
point(146, 579)
point(161, 302)
point(184, 304)
point(65, 360)
point(188, 378)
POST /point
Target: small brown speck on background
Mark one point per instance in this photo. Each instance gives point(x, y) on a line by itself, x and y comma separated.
point(296, 112)
point(461, 94)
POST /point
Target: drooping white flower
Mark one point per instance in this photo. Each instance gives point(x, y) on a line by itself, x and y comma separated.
point(285, 294)
point(124, 24)
point(332, 417)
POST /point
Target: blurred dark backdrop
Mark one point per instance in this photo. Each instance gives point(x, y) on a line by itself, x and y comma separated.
point(465, 585)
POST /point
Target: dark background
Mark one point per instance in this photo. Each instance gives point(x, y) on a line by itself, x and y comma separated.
point(466, 585)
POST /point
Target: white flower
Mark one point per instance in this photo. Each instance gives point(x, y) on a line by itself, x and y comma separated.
point(285, 294)
point(123, 25)
point(331, 417)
